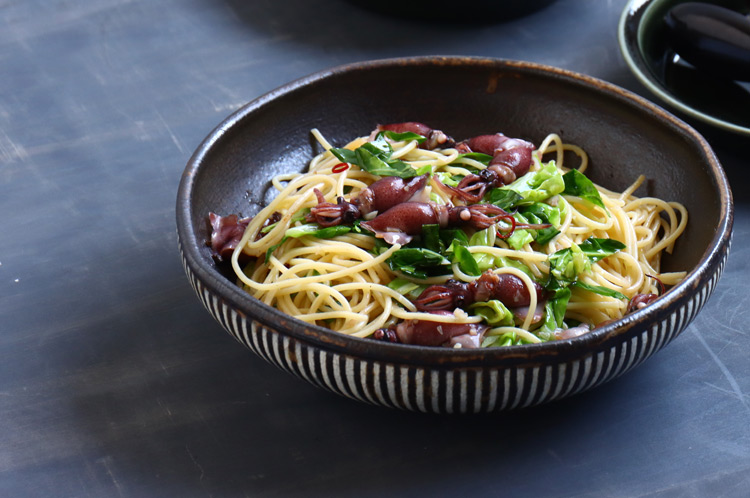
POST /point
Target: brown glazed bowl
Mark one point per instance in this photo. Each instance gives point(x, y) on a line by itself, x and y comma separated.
point(624, 136)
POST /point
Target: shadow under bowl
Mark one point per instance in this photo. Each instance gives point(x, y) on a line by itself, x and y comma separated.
point(624, 135)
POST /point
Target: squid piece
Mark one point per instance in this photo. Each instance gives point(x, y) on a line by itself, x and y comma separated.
point(379, 196)
point(401, 222)
point(226, 233)
point(435, 138)
point(506, 288)
point(429, 333)
point(640, 301)
point(511, 158)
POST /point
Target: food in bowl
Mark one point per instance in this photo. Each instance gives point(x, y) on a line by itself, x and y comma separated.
point(408, 236)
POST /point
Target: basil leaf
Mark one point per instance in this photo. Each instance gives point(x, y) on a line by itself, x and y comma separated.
point(405, 136)
point(541, 213)
point(453, 234)
point(345, 155)
point(545, 212)
point(477, 156)
point(597, 249)
point(312, 230)
point(374, 157)
point(504, 198)
point(577, 184)
point(315, 231)
point(373, 163)
point(545, 235)
point(417, 261)
point(431, 238)
point(602, 291)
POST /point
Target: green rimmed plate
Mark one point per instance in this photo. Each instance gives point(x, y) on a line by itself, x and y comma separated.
point(642, 38)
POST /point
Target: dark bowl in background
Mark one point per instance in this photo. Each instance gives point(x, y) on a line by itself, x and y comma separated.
point(624, 136)
point(470, 11)
point(697, 95)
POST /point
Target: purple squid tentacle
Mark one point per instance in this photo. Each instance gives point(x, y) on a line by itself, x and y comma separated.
point(429, 333)
point(382, 194)
point(226, 233)
point(506, 288)
point(408, 218)
point(327, 214)
point(388, 192)
point(453, 294)
point(511, 157)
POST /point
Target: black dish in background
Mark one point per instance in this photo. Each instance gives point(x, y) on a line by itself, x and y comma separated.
point(642, 34)
point(473, 11)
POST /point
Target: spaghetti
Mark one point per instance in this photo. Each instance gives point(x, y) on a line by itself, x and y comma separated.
point(593, 253)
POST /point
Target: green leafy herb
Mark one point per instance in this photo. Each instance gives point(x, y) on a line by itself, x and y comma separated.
point(465, 260)
point(345, 155)
point(476, 156)
point(567, 264)
point(577, 184)
point(315, 231)
point(597, 249)
point(375, 157)
point(544, 212)
point(502, 340)
point(312, 230)
point(448, 236)
point(375, 164)
point(541, 213)
point(554, 313)
point(405, 136)
point(546, 234)
point(431, 238)
point(504, 198)
point(427, 169)
point(418, 262)
point(598, 289)
point(520, 236)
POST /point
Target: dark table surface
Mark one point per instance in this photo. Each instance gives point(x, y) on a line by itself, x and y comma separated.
point(114, 381)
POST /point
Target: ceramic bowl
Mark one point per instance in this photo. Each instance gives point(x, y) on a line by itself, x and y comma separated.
point(694, 94)
point(448, 11)
point(624, 136)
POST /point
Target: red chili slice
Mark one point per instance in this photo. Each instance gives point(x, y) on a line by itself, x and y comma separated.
point(340, 168)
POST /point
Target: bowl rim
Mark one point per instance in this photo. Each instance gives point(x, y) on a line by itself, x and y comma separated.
point(629, 31)
point(242, 302)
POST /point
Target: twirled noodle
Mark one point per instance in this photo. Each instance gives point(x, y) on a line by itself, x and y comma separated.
point(341, 284)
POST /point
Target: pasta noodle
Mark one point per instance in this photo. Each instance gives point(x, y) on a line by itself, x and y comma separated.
point(342, 282)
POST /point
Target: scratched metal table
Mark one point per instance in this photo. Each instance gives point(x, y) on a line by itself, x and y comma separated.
point(115, 382)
